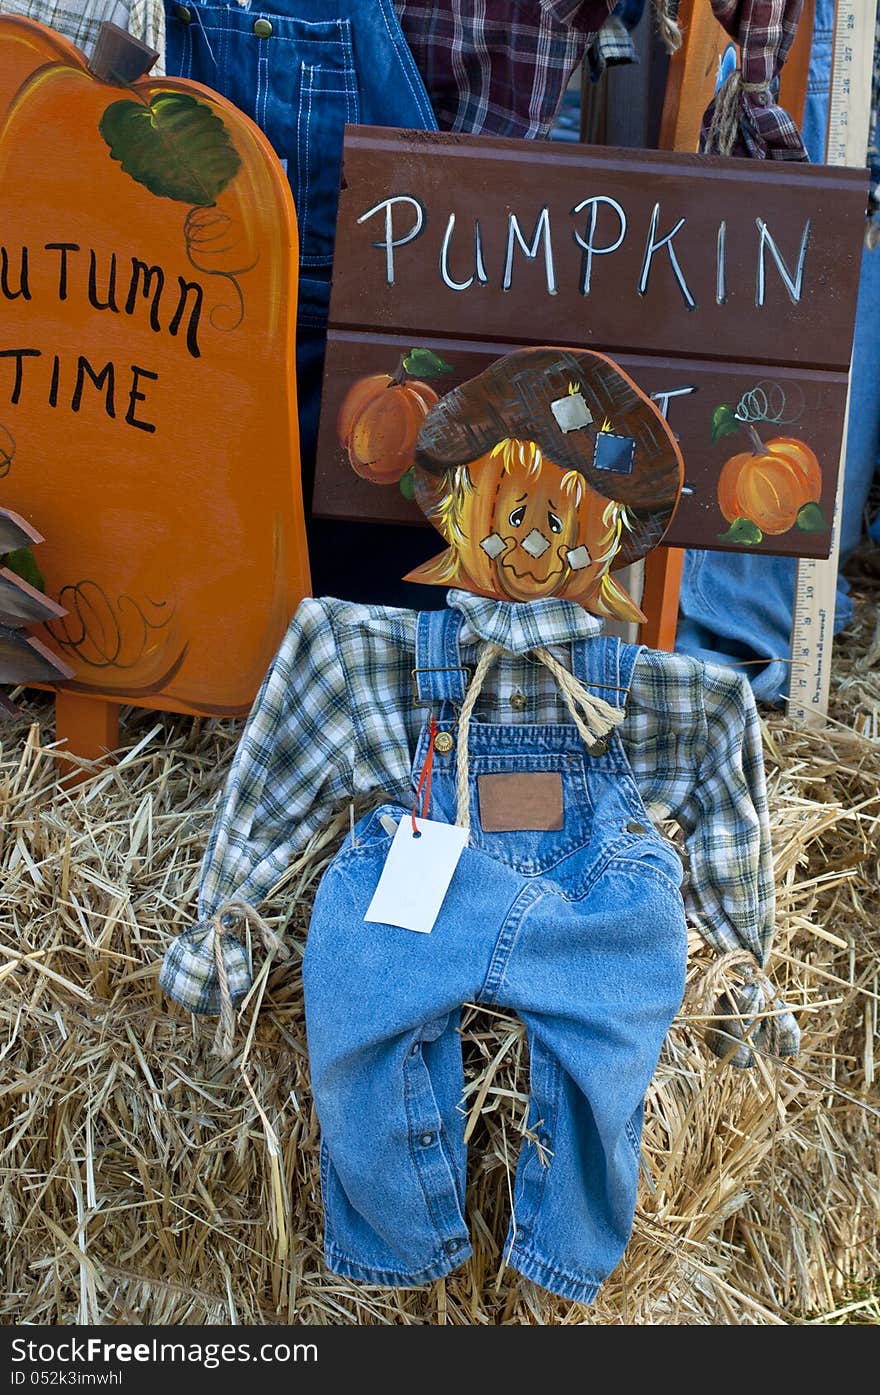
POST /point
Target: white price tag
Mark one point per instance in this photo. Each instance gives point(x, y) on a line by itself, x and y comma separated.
point(416, 875)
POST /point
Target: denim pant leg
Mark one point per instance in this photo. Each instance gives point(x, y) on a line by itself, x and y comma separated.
point(597, 983)
point(863, 439)
point(382, 1012)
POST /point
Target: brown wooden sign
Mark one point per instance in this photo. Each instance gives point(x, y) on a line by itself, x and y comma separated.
point(726, 289)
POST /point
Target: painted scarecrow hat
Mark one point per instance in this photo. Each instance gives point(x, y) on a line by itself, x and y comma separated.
point(609, 498)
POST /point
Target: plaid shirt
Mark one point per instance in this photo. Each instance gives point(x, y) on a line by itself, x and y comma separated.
point(499, 67)
point(334, 720)
point(81, 20)
point(764, 30)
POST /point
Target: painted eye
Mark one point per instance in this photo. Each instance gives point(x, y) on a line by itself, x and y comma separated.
point(517, 516)
point(555, 523)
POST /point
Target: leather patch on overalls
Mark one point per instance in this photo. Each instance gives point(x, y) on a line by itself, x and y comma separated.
point(524, 800)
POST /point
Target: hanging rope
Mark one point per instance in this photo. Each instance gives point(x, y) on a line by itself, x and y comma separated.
point(598, 715)
point(667, 22)
point(227, 921)
point(463, 809)
point(724, 127)
point(593, 716)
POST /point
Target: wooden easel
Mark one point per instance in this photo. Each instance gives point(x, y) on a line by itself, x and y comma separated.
point(689, 89)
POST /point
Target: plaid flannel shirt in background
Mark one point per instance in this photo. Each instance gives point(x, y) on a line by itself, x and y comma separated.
point(81, 20)
point(499, 67)
point(334, 720)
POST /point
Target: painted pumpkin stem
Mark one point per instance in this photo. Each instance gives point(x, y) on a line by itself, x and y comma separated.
point(754, 439)
point(400, 375)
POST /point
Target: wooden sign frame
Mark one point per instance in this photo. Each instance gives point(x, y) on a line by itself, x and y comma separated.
point(725, 288)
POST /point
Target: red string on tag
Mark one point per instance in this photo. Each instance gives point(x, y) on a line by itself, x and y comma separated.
point(425, 780)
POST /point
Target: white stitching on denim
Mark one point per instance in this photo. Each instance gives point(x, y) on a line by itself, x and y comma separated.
point(420, 98)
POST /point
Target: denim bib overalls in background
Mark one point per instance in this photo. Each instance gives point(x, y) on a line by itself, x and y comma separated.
point(302, 69)
point(580, 931)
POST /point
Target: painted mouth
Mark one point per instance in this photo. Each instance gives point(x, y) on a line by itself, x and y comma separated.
point(532, 576)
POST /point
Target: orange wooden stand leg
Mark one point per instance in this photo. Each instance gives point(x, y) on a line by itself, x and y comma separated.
point(663, 568)
point(89, 726)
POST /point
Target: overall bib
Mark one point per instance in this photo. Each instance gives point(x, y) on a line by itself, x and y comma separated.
point(302, 69)
point(578, 928)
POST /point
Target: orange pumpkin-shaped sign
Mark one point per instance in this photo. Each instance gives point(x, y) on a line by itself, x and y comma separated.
point(545, 474)
point(770, 484)
point(147, 375)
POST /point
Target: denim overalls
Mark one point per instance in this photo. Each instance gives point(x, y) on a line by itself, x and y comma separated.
point(302, 69)
point(580, 931)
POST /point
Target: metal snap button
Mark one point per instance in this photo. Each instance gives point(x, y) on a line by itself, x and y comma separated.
point(443, 743)
point(636, 828)
point(518, 701)
point(598, 747)
point(262, 28)
point(426, 1139)
point(452, 1246)
point(183, 14)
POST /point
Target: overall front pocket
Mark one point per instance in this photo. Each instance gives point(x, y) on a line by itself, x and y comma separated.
point(548, 792)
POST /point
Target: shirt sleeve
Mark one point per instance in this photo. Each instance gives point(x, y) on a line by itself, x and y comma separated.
point(726, 825)
point(294, 761)
point(146, 21)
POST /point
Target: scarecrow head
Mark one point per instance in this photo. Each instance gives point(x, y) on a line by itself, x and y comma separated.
point(544, 474)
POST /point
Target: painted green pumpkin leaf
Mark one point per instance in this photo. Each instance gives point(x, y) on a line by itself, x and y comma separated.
point(408, 484)
point(422, 363)
point(742, 531)
point(176, 146)
point(811, 519)
point(23, 563)
point(724, 423)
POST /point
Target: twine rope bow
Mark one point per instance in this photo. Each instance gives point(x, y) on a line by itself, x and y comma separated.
point(227, 921)
point(593, 716)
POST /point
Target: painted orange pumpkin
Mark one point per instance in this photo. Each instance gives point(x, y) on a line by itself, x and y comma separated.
point(770, 485)
point(378, 423)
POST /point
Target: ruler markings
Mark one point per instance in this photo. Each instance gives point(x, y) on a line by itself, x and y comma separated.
point(812, 625)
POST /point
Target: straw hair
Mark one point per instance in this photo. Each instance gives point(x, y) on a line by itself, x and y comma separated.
point(144, 1181)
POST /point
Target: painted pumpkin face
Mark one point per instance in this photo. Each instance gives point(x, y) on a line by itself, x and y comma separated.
point(544, 474)
point(521, 527)
point(538, 523)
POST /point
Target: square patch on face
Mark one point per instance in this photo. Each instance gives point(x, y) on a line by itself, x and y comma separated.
point(614, 453)
point(524, 800)
point(493, 546)
point(535, 544)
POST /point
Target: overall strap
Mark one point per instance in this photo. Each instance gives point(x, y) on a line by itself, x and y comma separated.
point(604, 664)
point(439, 679)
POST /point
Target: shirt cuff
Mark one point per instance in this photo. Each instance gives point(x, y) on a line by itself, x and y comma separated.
point(740, 1018)
point(189, 968)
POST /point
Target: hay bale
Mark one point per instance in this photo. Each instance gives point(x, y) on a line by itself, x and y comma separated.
point(142, 1181)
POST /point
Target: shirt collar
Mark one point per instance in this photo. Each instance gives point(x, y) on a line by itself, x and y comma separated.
point(519, 627)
